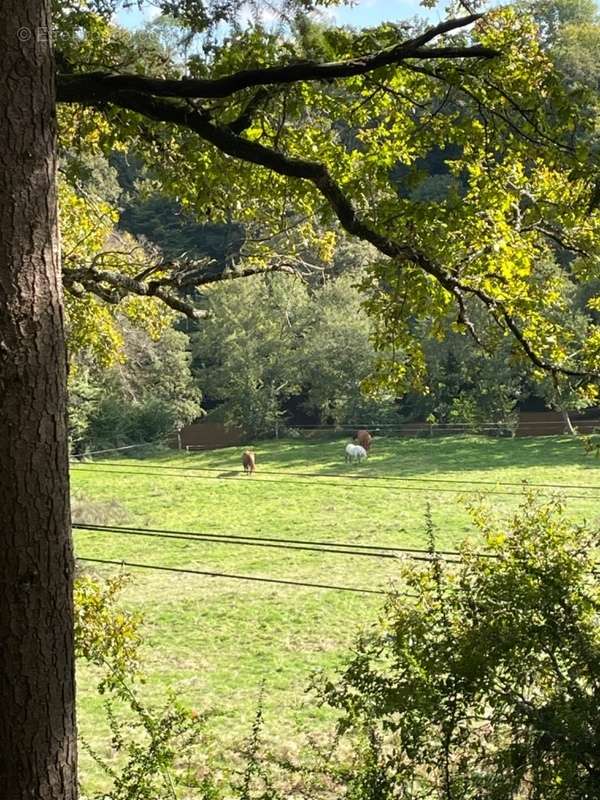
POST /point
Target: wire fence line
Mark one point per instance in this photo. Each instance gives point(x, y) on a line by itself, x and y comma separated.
point(426, 425)
point(185, 474)
point(231, 576)
point(524, 484)
point(199, 539)
point(450, 557)
point(339, 548)
point(392, 552)
point(75, 456)
point(343, 548)
point(342, 429)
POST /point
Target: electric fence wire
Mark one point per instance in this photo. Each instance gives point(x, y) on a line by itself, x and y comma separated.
point(524, 484)
point(185, 473)
point(339, 548)
point(75, 460)
point(377, 551)
point(231, 576)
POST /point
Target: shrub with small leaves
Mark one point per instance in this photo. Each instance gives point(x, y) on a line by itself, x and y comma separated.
point(487, 686)
point(152, 743)
point(591, 443)
point(106, 635)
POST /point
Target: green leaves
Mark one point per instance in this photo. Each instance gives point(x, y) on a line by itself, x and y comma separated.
point(272, 341)
point(149, 741)
point(105, 634)
point(516, 140)
point(507, 646)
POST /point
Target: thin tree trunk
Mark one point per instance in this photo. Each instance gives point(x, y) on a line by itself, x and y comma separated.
point(37, 708)
point(568, 424)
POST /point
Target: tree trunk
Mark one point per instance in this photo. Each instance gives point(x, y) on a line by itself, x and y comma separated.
point(37, 705)
point(568, 424)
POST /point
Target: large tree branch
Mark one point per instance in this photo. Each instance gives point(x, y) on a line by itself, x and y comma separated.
point(225, 140)
point(559, 239)
point(83, 87)
point(193, 278)
point(113, 287)
point(244, 120)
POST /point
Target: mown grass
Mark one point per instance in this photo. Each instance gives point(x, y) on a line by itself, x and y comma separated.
point(214, 640)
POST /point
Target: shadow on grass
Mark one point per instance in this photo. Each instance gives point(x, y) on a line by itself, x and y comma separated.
point(388, 456)
point(411, 457)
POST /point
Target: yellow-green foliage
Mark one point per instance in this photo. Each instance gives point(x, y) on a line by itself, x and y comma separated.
point(88, 234)
point(485, 685)
point(522, 164)
point(106, 635)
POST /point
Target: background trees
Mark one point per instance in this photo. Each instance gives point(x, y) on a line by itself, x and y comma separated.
point(275, 351)
point(247, 352)
point(145, 396)
point(337, 356)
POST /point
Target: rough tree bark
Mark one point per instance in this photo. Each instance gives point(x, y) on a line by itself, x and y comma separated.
point(37, 711)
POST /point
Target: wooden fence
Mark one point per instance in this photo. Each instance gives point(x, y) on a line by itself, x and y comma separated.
point(213, 435)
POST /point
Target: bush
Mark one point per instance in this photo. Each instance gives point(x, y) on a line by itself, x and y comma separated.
point(486, 686)
point(115, 422)
point(152, 742)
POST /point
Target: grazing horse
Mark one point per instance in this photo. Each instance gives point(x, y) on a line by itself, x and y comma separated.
point(249, 462)
point(364, 439)
point(355, 452)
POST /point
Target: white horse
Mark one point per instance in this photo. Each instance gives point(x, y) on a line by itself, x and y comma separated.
point(354, 452)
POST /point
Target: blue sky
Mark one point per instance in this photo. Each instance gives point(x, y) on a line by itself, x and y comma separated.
point(361, 13)
point(370, 12)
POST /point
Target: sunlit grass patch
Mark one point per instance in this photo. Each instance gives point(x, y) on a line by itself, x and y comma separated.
point(216, 640)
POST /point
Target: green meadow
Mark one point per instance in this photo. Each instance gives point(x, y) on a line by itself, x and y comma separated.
point(215, 641)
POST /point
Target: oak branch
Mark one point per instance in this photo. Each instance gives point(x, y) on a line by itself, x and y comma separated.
point(168, 101)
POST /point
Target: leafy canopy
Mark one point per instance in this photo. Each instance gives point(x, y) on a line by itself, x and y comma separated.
point(332, 140)
point(89, 233)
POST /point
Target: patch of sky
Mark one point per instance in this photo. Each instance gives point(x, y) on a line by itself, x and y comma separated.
point(359, 14)
point(366, 13)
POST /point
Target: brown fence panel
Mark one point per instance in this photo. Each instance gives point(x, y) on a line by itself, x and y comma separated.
point(209, 436)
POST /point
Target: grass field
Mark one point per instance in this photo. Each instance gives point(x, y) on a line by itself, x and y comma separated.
point(214, 640)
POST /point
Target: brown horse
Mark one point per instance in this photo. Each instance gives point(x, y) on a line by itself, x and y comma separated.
point(364, 439)
point(249, 461)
